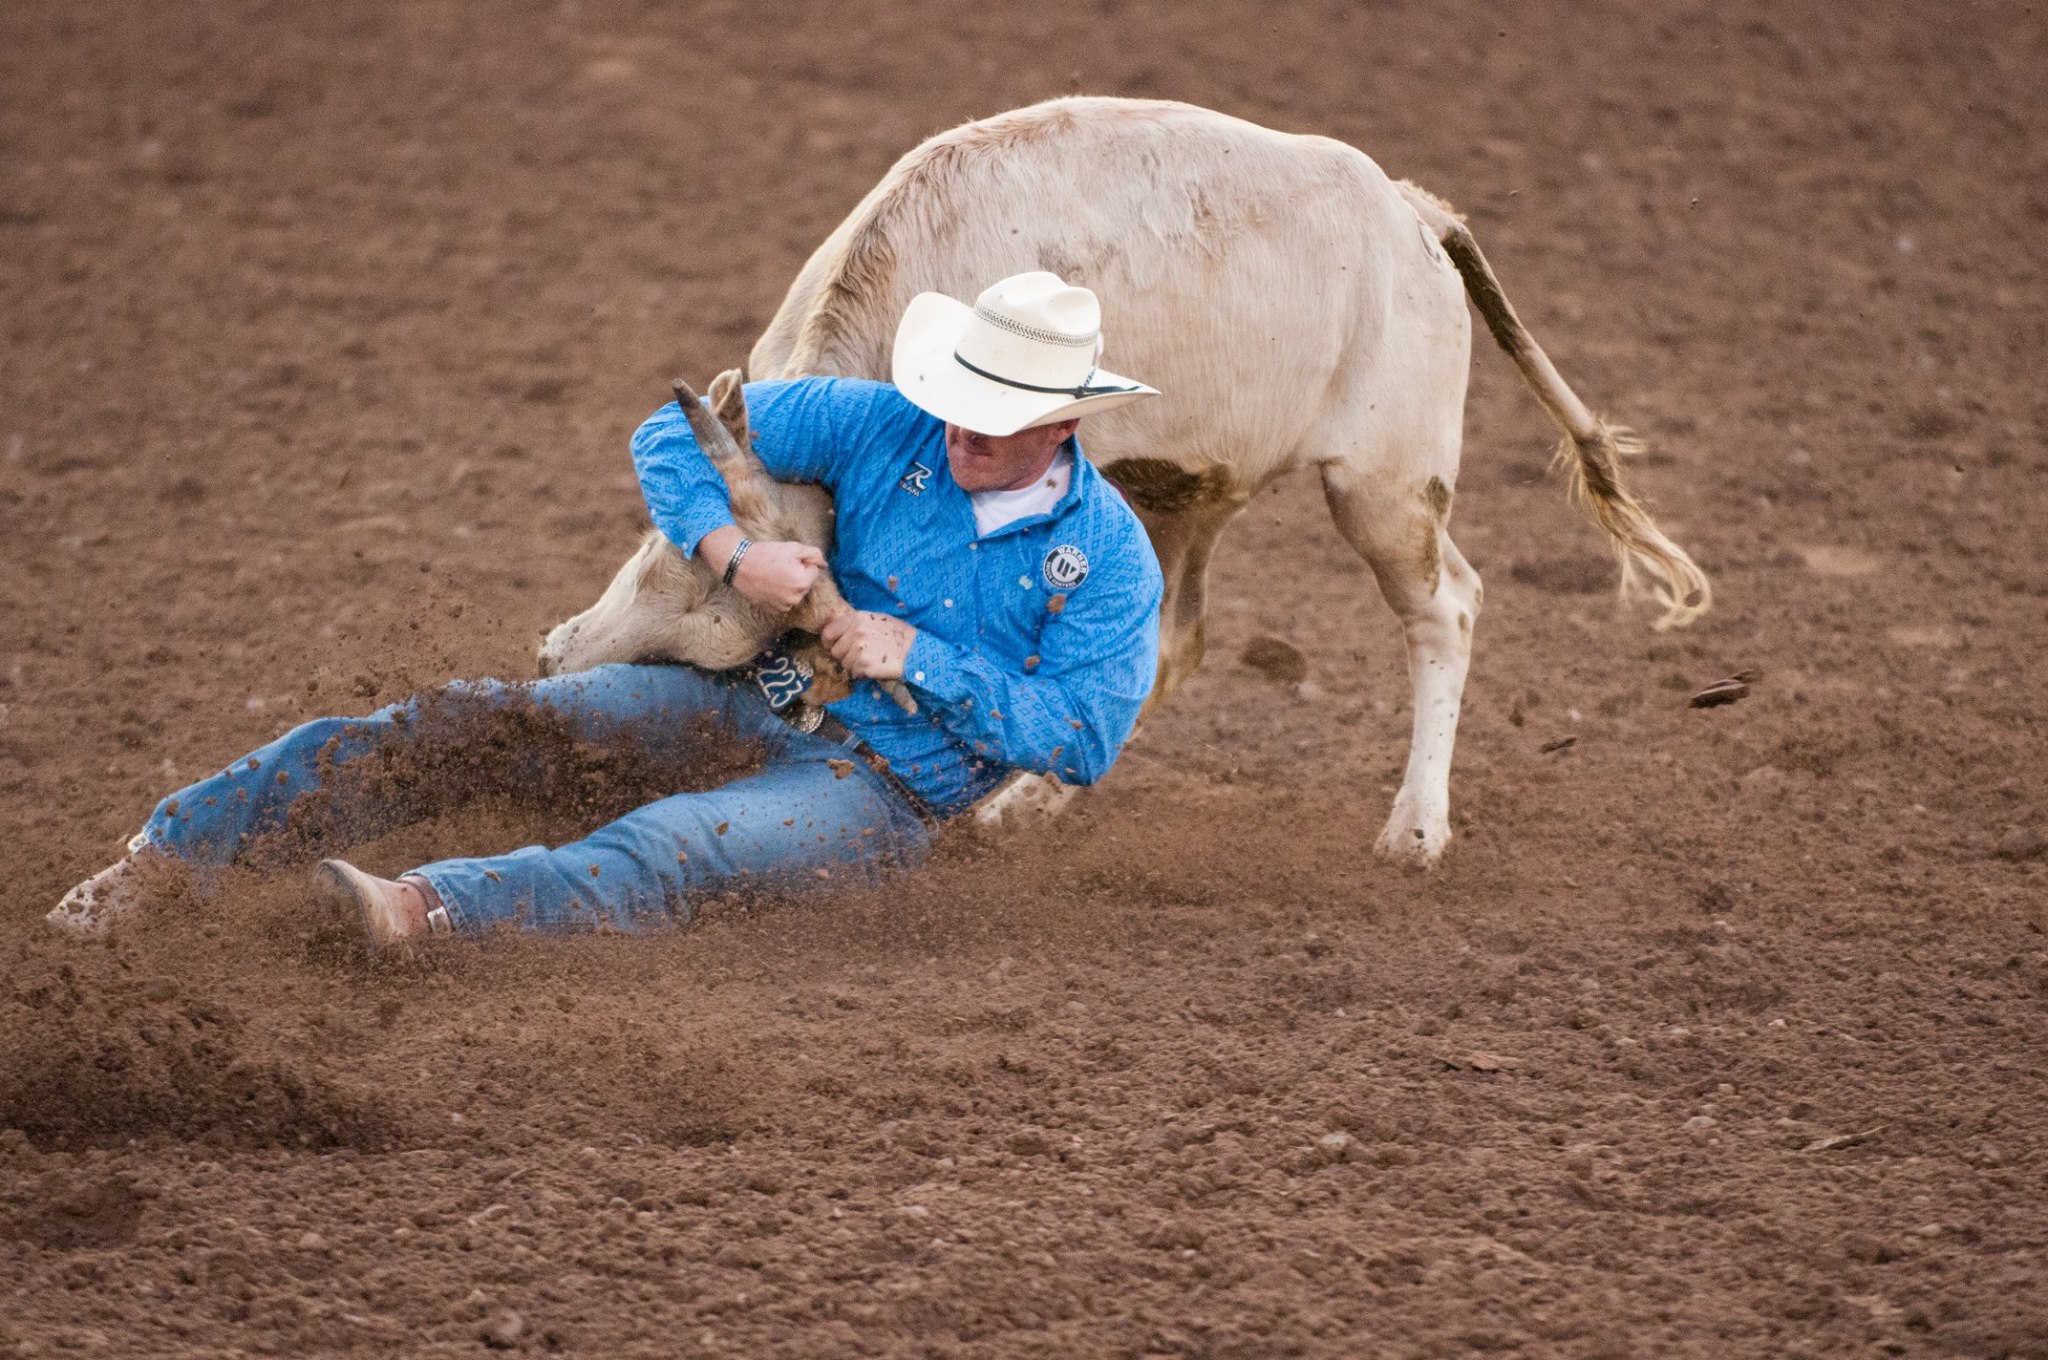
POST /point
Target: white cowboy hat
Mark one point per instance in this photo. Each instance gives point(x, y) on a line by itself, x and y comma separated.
point(1023, 355)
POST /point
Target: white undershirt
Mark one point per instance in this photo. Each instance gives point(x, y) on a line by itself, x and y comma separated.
point(994, 509)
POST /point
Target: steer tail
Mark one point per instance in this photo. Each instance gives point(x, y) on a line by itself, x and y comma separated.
point(723, 436)
point(1591, 450)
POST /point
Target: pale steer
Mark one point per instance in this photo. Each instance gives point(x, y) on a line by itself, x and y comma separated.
point(1296, 307)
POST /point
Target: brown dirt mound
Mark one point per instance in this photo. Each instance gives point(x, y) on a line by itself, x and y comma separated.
point(60, 1210)
point(97, 1060)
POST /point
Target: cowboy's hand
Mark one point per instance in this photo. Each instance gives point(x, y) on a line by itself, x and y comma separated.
point(775, 574)
point(868, 644)
point(778, 574)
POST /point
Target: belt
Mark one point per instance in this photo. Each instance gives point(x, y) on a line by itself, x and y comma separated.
point(838, 733)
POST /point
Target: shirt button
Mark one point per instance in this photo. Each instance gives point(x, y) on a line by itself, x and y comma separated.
point(1024, 581)
point(949, 604)
point(917, 675)
point(972, 546)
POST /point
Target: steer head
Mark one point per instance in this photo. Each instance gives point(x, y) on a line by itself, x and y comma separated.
point(662, 607)
point(659, 607)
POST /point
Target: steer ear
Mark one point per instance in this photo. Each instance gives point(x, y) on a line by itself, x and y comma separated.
point(729, 404)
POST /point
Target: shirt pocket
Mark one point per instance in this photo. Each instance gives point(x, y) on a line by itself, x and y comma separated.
point(1017, 603)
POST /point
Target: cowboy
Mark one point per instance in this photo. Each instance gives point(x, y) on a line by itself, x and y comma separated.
point(990, 568)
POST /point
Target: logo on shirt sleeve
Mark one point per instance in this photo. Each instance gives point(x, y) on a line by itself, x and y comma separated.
point(1065, 567)
point(915, 480)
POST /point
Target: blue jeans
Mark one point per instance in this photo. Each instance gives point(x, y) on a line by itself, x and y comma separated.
point(814, 815)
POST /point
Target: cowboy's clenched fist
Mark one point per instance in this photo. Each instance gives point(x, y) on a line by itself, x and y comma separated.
point(775, 574)
point(869, 644)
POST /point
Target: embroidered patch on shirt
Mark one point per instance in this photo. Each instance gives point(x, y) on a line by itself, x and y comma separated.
point(1065, 567)
point(914, 481)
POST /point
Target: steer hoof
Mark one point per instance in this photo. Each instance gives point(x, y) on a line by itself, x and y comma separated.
point(1416, 847)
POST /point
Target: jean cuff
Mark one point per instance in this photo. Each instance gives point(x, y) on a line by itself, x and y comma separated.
point(458, 921)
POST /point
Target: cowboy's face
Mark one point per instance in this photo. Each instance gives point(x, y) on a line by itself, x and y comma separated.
point(1010, 462)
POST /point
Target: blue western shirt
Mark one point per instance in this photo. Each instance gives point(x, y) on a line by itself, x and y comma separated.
point(1036, 645)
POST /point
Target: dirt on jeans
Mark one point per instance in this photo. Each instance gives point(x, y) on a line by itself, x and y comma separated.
point(520, 768)
point(1719, 1032)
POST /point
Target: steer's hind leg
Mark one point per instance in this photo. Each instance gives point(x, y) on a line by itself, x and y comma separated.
point(1401, 532)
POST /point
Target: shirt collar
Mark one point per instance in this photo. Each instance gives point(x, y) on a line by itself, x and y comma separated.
point(1079, 484)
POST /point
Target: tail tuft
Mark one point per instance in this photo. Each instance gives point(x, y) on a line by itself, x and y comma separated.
point(1592, 450)
point(1592, 462)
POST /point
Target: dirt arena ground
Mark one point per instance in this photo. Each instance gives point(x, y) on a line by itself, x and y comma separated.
point(1719, 1033)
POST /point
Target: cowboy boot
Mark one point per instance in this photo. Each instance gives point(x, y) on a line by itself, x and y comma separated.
point(88, 909)
point(391, 911)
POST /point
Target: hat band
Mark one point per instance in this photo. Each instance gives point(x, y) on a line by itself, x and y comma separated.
point(1077, 393)
point(1031, 332)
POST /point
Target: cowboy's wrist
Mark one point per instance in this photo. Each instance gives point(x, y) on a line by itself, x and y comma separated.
point(716, 546)
point(734, 558)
